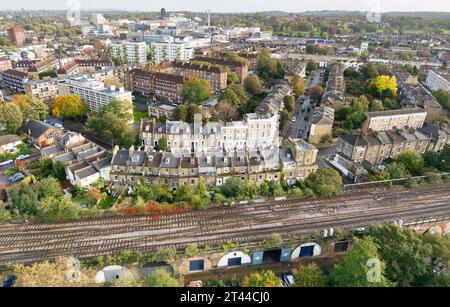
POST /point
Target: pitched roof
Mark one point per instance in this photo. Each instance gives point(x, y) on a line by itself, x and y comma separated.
point(8, 139)
point(355, 139)
point(36, 128)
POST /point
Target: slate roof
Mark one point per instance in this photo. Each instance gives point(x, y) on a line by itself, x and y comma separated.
point(36, 128)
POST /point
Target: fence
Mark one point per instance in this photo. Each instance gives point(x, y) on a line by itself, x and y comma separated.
point(380, 183)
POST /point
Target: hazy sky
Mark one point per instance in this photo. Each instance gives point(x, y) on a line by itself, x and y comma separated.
point(238, 5)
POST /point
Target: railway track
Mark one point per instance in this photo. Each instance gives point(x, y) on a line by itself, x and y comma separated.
point(242, 224)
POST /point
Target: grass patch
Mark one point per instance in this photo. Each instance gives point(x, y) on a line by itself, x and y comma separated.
point(138, 115)
point(107, 203)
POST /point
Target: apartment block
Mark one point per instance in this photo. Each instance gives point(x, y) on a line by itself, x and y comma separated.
point(437, 81)
point(16, 35)
point(94, 93)
point(215, 75)
point(240, 68)
point(46, 90)
point(171, 51)
point(84, 66)
point(15, 80)
point(160, 86)
point(130, 52)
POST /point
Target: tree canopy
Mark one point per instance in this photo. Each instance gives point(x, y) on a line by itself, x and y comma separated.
point(196, 90)
point(69, 106)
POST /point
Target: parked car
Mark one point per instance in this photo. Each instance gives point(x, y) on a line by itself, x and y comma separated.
point(288, 279)
point(6, 162)
point(22, 157)
point(306, 118)
point(294, 119)
point(16, 178)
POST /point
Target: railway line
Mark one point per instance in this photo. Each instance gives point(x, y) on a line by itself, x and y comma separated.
point(248, 223)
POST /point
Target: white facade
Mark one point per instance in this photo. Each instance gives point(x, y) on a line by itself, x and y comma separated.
point(94, 93)
point(130, 52)
point(245, 259)
point(317, 250)
point(171, 51)
point(435, 82)
point(253, 133)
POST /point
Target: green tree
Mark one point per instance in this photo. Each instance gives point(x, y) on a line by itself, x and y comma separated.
point(11, 117)
point(181, 112)
point(230, 188)
point(191, 250)
point(263, 279)
point(326, 181)
point(284, 118)
point(248, 190)
point(53, 209)
point(269, 69)
point(403, 251)
point(360, 105)
point(196, 90)
point(289, 103)
point(275, 240)
point(230, 96)
point(353, 269)
point(412, 160)
point(443, 98)
point(397, 170)
point(162, 144)
point(232, 78)
point(161, 278)
point(354, 120)
point(316, 93)
point(24, 198)
point(311, 65)
point(309, 275)
point(253, 85)
point(48, 187)
point(376, 105)
point(113, 122)
point(242, 95)
point(32, 108)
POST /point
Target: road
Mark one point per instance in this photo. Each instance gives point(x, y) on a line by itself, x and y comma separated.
point(302, 113)
point(213, 227)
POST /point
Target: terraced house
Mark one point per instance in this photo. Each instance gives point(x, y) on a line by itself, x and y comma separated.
point(129, 167)
point(358, 152)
